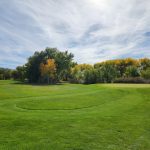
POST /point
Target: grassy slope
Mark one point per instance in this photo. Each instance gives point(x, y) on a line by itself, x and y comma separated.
point(74, 117)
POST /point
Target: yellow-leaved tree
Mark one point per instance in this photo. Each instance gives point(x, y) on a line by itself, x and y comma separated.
point(48, 70)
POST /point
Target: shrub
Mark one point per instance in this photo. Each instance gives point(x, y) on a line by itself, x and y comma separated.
point(131, 80)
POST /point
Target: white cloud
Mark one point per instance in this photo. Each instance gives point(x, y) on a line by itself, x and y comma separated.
point(94, 30)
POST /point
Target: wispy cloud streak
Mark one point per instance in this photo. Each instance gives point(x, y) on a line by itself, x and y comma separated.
point(94, 30)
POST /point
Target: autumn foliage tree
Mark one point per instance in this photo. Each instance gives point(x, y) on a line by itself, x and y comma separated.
point(63, 61)
point(48, 71)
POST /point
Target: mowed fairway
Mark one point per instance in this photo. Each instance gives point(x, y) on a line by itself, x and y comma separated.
point(74, 117)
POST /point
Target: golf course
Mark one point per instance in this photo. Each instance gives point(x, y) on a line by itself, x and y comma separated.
point(74, 116)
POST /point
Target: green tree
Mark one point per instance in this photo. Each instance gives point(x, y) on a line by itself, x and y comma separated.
point(106, 71)
point(144, 63)
point(132, 71)
point(90, 76)
point(82, 73)
point(146, 73)
point(20, 73)
point(5, 73)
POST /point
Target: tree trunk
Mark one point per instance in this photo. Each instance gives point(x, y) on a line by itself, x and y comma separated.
point(48, 80)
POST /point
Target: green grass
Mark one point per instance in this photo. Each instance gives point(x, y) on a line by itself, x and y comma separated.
point(74, 117)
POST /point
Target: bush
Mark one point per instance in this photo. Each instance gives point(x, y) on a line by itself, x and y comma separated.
point(131, 80)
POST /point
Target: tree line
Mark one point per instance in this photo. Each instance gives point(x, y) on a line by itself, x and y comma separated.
point(126, 70)
point(51, 66)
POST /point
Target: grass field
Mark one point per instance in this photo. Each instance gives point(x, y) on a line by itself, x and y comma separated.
point(74, 117)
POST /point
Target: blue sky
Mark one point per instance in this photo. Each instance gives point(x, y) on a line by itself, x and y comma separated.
point(93, 30)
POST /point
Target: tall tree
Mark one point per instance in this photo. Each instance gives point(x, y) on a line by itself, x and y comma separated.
point(82, 73)
point(63, 61)
point(5, 73)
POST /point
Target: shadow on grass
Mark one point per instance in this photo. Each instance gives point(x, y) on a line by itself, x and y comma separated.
point(37, 84)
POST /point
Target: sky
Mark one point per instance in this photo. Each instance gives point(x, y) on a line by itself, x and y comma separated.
point(93, 30)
